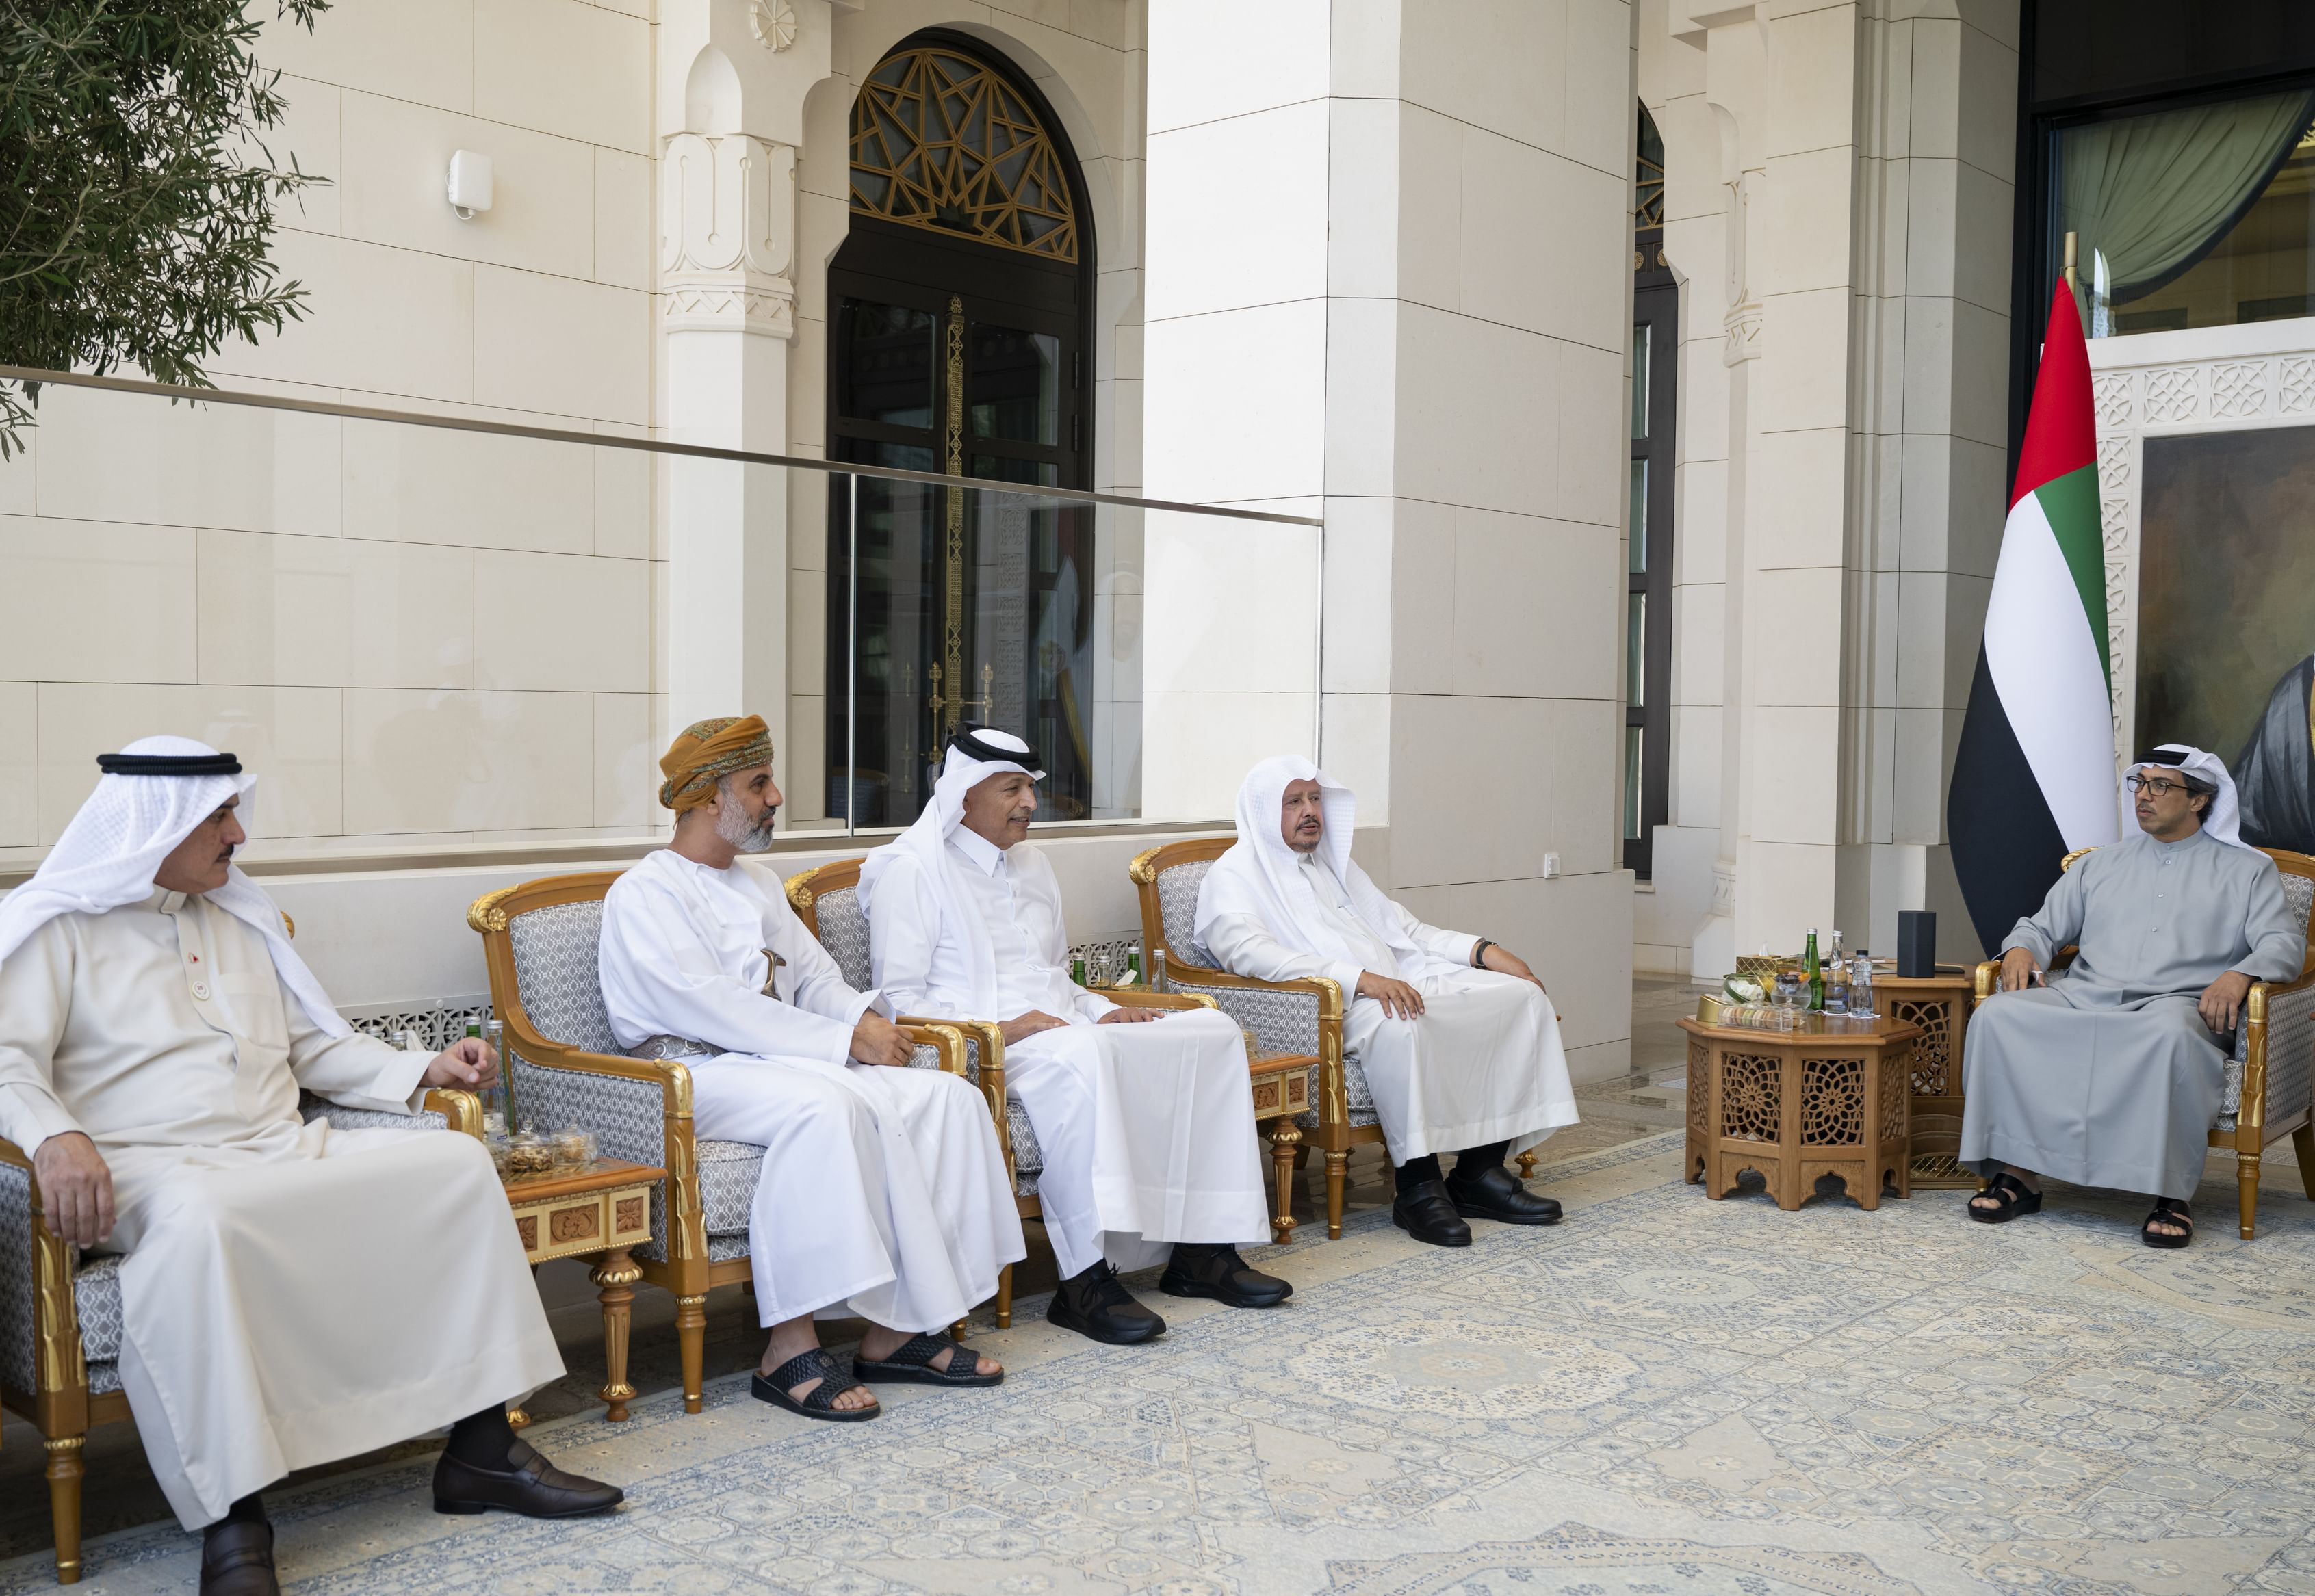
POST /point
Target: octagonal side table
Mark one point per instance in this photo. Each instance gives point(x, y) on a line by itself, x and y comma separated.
point(1831, 1098)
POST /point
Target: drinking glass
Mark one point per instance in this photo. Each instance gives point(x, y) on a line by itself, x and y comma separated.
point(1788, 990)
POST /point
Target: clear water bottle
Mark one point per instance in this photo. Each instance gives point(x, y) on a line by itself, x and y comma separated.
point(1860, 985)
point(1836, 979)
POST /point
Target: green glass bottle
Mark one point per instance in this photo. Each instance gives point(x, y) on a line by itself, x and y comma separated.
point(1815, 973)
point(1133, 969)
point(1076, 970)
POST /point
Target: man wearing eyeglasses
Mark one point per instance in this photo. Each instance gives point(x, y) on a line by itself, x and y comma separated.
point(2109, 1073)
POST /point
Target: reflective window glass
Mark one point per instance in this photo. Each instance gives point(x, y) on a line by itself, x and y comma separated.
point(1639, 523)
point(1635, 651)
point(1632, 782)
point(887, 374)
point(1014, 382)
point(1640, 380)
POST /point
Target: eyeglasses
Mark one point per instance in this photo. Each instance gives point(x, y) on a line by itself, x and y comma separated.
point(2160, 786)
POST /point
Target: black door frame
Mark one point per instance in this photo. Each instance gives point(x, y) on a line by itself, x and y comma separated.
point(1655, 304)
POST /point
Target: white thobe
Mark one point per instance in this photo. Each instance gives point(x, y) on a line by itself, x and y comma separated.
point(291, 1294)
point(884, 1192)
point(1147, 1129)
point(1482, 1064)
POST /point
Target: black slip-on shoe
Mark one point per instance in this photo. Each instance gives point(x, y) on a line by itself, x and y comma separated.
point(1496, 1194)
point(529, 1485)
point(237, 1560)
point(1095, 1304)
point(1425, 1212)
point(1199, 1269)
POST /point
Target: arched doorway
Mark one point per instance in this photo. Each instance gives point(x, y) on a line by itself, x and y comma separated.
point(958, 320)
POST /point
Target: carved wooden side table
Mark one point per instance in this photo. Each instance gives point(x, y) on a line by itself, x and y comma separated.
point(1939, 1004)
point(1281, 1092)
point(1831, 1098)
point(600, 1212)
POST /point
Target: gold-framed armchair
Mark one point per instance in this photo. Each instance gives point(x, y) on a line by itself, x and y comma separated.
point(1296, 1016)
point(828, 900)
point(60, 1318)
point(2270, 1075)
point(540, 942)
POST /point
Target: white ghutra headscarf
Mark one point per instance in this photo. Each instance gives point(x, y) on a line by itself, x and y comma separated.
point(106, 858)
point(2223, 819)
point(926, 842)
point(1262, 875)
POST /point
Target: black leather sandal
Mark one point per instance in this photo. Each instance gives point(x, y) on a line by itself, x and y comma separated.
point(912, 1361)
point(2011, 1198)
point(2174, 1211)
point(821, 1403)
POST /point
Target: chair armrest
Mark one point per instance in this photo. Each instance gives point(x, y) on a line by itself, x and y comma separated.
point(2278, 1051)
point(39, 1322)
point(1985, 980)
point(1138, 997)
point(943, 1041)
point(461, 1111)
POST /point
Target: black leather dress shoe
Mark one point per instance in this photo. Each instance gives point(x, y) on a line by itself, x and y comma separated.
point(1095, 1303)
point(529, 1485)
point(1425, 1212)
point(1496, 1194)
point(1201, 1270)
point(237, 1560)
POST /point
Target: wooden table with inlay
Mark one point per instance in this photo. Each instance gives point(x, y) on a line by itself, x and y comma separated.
point(1282, 1094)
point(600, 1212)
point(1831, 1098)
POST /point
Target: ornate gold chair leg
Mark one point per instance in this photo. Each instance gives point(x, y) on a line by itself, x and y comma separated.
point(1527, 1165)
point(64, 1469)
point(1338, 1167)
point(691, 1338)
point(1284, 1141)
point(957, 1331)
point(2302, 1143)
point(1005, 1298)
point(615, 1278)
point(2247, 1190)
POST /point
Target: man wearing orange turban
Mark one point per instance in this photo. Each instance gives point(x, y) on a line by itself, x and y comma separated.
point(883, 1193)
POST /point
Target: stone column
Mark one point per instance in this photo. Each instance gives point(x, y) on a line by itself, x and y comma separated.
point(1419, 325)
point(733, 77)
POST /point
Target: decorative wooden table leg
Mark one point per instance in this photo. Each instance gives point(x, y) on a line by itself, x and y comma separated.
point(1285, 1137)
point(691, 1340)
point(1338, 1166)
point(1527, 1165)
point(517, 1419)
point(615, 1278)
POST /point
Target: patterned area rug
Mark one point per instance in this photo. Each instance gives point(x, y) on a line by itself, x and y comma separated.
point(1665, 1394)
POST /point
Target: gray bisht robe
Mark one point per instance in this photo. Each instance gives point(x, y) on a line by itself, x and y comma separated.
point(2108, 1076)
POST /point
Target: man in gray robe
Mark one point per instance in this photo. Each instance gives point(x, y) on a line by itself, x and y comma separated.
point(2109, 1073)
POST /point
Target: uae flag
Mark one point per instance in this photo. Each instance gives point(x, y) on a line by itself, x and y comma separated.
point(2034, 776)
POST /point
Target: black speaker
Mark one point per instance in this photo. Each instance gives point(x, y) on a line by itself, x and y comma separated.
point(1917, 943)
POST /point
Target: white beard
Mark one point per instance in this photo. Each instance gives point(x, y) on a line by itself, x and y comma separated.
point(734, 827)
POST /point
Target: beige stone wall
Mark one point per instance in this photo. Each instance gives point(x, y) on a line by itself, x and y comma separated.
point(1839, 210)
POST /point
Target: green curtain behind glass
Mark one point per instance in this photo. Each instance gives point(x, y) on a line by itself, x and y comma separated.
point(2153, 194)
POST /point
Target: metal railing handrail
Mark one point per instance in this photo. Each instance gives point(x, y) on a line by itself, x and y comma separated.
point(651, 446)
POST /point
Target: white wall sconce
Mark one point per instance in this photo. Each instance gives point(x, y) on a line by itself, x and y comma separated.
point(470, 183)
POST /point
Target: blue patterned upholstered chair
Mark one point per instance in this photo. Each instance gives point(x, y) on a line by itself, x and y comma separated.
point(828, 900)
point(2270, 1076)
point(539, 940)
point(60, 1321)
point(1301, 1016)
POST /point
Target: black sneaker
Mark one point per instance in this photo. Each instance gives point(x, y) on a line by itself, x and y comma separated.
point(1095, 1303)
point(1203, 1269)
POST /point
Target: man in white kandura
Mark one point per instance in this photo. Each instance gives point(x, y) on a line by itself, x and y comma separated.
point(883, 1192)
point(1146, 1129)
point(291, 1293)
point(2109, 1073)
point(1460, 1044)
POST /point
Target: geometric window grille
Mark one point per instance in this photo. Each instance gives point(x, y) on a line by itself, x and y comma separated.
point(940, 141)
point(1648, 176)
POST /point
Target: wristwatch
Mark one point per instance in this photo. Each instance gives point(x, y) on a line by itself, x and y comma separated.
point(1479, 953)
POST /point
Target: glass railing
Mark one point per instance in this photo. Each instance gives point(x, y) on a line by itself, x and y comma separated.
point(444, 632)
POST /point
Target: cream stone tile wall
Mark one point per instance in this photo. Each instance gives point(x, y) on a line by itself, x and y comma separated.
point(1838, 209)
point(1440, 367)
point(416, 636)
